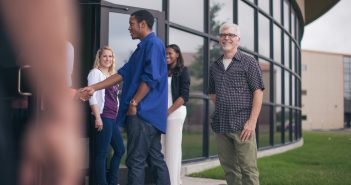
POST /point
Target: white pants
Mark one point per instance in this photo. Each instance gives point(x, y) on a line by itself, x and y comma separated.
point(172, 144)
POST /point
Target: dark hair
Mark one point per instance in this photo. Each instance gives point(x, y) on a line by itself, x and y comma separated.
point(180, 61)
point(143, 15)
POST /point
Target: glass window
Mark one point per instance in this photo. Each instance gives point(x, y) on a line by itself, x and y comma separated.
point(277, 10)
point(265, 67)
point(287, 88)
point(215, 51)
point(264, 5)
point(277, 134)
point(277, 77)
point(277, 44)
point(119, 38)
point(286, 15)
point(154, 4)
point(264, 36)
point(179, 13)
point(287, 125)
point(193, 129)
point(293, 23)
point(246, 23)
point(192, 50)
point(293, 62)
point(220, 11)
point(286, 50)
point(263, 124)
point(293, 90)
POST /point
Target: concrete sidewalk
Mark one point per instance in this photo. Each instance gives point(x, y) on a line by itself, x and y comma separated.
point(201, 181)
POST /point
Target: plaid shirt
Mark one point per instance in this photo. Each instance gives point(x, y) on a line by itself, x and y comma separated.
point(234, 89)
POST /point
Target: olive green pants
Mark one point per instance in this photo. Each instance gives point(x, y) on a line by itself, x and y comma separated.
point(238, 159)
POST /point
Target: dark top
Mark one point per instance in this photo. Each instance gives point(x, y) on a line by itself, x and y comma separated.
point(180, 85)
point(234, 89)
point(147, 64)
point(111, 102)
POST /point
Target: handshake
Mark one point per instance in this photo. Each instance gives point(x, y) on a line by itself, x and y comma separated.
point(84, 93)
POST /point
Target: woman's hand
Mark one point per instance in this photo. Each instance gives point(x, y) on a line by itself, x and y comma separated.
point(98, 124)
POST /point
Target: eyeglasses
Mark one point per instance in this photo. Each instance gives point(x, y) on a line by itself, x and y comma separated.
point(230, 35)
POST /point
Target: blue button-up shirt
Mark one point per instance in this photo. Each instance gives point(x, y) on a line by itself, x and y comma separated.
point(148, 64)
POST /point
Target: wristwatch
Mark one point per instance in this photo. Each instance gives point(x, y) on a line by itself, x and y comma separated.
point(133, 103)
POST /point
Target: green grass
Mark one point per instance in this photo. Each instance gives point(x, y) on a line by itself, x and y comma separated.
point(324, 159)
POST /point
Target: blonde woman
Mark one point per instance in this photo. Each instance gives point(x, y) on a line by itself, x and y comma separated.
point(104, 105)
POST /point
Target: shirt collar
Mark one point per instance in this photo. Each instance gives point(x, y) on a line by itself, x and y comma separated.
point(237, 57)
point(145, 39)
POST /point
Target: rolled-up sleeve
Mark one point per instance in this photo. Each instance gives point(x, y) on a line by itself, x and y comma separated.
point(185, 84)
point(153, 69)
point(255, 76)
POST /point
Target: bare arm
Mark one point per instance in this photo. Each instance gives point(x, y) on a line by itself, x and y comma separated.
point(139, 95)
point(250, 124)
point(179, 102)
point(108, 82)
point(87, 92)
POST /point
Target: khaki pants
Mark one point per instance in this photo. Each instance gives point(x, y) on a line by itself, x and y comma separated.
point(238, 159)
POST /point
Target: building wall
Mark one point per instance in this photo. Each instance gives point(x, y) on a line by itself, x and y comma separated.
point(322, 80)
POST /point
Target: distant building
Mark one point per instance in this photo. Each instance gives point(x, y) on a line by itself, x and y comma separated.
point(326, 90)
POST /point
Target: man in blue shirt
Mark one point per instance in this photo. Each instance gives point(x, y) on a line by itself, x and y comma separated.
point(143, 105)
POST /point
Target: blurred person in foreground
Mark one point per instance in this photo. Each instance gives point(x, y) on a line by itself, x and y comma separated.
point(236, 88)
point(52, 150)
point(143, 105)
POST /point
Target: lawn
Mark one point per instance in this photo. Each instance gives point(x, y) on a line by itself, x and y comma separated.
point(324, 159)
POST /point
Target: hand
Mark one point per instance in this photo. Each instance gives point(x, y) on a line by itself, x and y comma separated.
point(85, 93)
point(249, 130)
point(132, 110)
point(98, 124)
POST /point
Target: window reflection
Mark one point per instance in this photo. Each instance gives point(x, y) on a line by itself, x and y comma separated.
point(286, 50)
point(286, 15)
point(277, 44)
point(276, 10)
point(215, 51)
point(264, 5)
point(154, 4)
point(264, 35)
point(246, 24)
point(192, 130)
point(277, 77)
point(265, 67)
point(264, 126)
point(119, 38)
point(277, 125)
point(220, 11)
point(287, 88)
point(192, 50)
point(181, 9)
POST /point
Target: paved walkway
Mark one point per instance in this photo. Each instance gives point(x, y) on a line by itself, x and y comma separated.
point(201, 181)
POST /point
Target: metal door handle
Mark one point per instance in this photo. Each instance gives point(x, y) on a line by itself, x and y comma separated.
point(19, 88)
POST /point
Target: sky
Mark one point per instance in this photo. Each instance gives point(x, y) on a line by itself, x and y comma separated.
point(331, 32)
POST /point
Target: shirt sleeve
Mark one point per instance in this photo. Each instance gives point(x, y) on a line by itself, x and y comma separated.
point(185, 84)
point(93, 78)
point(255, 76)
point(154, 65)
point(123, 70)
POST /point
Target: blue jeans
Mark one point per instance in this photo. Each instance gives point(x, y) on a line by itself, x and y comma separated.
point(110, 134)
point(144, 146)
